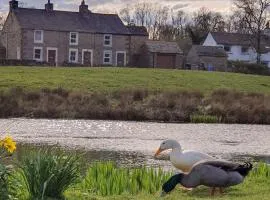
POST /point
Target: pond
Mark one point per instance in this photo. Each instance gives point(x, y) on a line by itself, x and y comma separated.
point(134, 143)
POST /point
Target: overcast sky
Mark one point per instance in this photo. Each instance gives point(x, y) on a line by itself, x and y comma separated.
point(113, 6)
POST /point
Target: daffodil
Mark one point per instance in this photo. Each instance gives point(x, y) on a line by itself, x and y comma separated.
point(9, 144)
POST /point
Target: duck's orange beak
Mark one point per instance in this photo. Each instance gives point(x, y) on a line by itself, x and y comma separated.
point(158, 152)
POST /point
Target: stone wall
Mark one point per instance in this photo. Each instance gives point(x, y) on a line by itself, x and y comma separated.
point(11, 37)
point(219, 63)
point(60, 40)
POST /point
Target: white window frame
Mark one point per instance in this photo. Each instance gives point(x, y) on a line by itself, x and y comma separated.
point(18, 53)
point(77, 38)
point(107, 45)
point(41, 54)
point(42, 36)
point(76, 57)
point(106, 52)
point(56, 56)
point(87, 50)
point(125, 57)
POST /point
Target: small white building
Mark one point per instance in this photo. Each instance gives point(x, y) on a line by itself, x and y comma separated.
point(239, 47)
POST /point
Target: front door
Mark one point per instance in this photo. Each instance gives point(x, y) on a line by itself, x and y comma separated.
point(52, 57)
point(87, 58)
point(120, 59)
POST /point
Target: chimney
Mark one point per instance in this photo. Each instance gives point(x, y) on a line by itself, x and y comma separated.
point(13, 5)
point(49, 6)
point(84, 8)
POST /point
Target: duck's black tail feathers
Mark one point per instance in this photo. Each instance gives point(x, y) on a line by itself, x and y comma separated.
point(244, 169)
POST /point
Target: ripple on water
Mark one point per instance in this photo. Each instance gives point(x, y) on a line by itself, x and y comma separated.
point(234, 142)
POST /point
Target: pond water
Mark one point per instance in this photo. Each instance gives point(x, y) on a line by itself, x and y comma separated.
point(134, 143)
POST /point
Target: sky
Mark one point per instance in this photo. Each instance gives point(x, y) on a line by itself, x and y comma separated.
point(113, 6)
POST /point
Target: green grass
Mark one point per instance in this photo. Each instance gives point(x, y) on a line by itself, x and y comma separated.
point(107, 179)
point(204, 119)
point(112, 79)
point(256, 186)
point(44, 174)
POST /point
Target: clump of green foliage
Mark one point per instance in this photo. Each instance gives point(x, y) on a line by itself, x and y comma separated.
point(262, 170)
point(45, 174)
point(3, 182)
point(204, 119)
point(107, 179)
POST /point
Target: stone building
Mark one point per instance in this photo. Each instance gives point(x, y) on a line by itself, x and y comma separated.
point(206, 58)
point(161, 54)
point(76, 38)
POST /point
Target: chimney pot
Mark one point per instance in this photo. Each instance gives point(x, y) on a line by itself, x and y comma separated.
point(49, 6)
point(84, 8)
point(13, 5)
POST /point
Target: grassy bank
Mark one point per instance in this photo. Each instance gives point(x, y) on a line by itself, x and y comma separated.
point(256, 186)
point(115, 79)
point(57, 175)
point(221, 106)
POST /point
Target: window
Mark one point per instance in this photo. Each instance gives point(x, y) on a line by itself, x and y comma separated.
point(38, 36)
point(38, 54)
point(74, 38)
point(18, 53)
point(227, 48)
point(244, 50)
point(73, 55)
point(108, 40)
point(265, 63)
point(107, 57)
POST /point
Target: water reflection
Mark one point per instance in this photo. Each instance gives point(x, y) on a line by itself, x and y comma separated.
point(134, 143)
point(128, 159)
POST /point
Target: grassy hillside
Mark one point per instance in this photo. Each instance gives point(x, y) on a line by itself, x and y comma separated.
point(111, 79)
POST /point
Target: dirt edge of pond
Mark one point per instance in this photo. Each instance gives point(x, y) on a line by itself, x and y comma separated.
point(221, 106)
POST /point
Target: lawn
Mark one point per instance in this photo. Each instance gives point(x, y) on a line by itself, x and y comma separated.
point(252, 189)
point(112, 79)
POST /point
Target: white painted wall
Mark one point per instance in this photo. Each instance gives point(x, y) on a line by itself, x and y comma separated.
point(210, 41)
point(236, 54)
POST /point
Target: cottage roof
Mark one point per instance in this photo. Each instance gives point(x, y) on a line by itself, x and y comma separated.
point(211, 51)
point(163, 47)
point(232, 38)
point(245, 40)
point(30, 18)
point(138, 30)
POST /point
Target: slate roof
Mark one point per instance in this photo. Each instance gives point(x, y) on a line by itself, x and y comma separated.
point(30, 18)
point(138, 30)
point(239, 39)
point(163, 47)
point(231, 38)
point(210, 51)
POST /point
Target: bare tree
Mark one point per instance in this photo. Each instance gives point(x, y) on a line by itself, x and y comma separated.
point(159, 19)
point(142, 14)
point(125, 15)
point(235, 23)
point(203, 22)
point(179, 20)
point(2, 21)
point(255, 14)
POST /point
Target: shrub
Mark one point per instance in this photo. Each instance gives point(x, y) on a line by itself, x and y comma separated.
point(249, 68)
point(204, 119)
point(47, 175)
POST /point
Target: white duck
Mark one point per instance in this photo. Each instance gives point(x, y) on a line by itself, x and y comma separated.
point(183, 160)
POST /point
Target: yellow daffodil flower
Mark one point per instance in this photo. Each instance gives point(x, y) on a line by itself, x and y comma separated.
point(9, 144)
